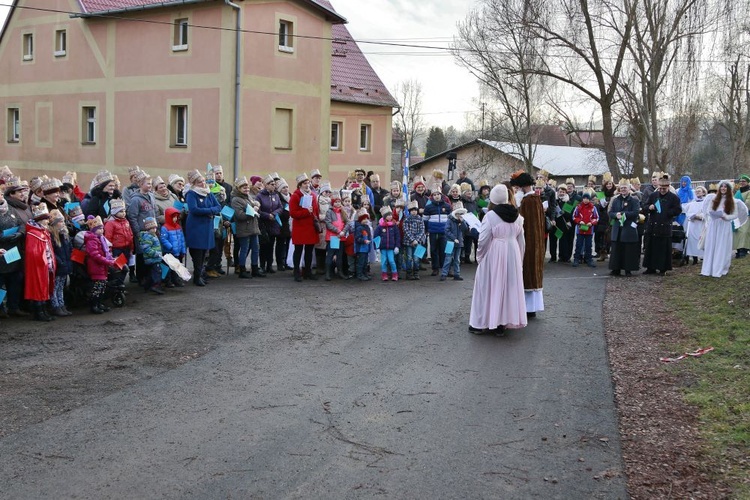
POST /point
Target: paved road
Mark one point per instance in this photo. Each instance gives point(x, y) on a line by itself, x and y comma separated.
point(364, 390)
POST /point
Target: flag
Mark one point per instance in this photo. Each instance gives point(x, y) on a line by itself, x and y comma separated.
point(405, 182)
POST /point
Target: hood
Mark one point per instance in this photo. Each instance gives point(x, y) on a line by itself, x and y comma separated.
point(168, 215)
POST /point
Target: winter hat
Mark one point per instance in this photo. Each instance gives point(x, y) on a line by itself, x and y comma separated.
point(94, 222)
point(745, 178)
point(386, 211)
point(315, 173)
point(301, 178)
point(255, 178)
point(586, 194)
point(194, 175)
point(362, 214)
point(116, 205)
point(174, 178)
point(413, 205)
point(240, 181)
point(521, 178)
point(326, 186)
point(149, 223)
point(458, 212)
point(499, 195)
point(56, 216)
point(269, 179)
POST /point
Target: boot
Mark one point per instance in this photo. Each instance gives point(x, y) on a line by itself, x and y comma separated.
point(328, 273)
point(590, 262)
point(65, 310)
point(243, 274)
point(258, 272)
point(197, 280)
point(416, 274)
point(269, 269)
point(602, 257)
point(94, 306)
point(102, 306)
point(58, 311)
point(39, 313)
point(310, 275)
point(297, 275)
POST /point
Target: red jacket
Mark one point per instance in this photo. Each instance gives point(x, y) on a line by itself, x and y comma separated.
point(98, 258)
point(39, 264)
point(585, 213)
point(118, 232)
point(303, 231)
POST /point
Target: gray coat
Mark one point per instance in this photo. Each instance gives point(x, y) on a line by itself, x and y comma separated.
point(630, 206)
point(247, 225)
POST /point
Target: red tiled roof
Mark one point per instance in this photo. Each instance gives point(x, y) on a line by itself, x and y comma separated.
point(352, 77)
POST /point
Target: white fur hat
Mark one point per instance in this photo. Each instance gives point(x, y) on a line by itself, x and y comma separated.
point(499, 195)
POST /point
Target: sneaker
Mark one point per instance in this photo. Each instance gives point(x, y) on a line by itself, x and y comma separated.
point(457, 278)
point(212, 274)
point(442, 277)
point(384, 276)
point(394, 277)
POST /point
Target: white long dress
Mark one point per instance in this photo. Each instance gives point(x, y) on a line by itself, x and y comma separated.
point(717, 255)
point(693, 226)
point(498, 298)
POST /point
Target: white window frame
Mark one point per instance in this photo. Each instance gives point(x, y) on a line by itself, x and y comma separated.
point(61, 42)
point(286, 35)
point(14, 125)
point(179, 126)
point(181, 36)
point(28, 46)
point(365, 128)
point(88, 124)
point(337, 133)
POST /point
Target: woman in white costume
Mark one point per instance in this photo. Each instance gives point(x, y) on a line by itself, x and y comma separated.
point(719, 212)
point(694, 223)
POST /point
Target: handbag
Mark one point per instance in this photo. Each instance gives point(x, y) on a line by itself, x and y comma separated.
point(319, 226)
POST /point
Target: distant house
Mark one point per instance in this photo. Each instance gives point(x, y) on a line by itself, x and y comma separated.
point(496, 161)
point(172, 84)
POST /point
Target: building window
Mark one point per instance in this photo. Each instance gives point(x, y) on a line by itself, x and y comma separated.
point(61, 43)
point(180, 41)
point(282, 129)
point(286, 35)
point(336, 128)
point(14, 124)
point(365, 133)
point(28, 46)
point(179, 126)
point(89, 125)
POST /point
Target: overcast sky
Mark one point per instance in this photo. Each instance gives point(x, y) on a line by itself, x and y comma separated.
point(447, 89)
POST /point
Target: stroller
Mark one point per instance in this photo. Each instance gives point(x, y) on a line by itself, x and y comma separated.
point(679, 243)
point(79, 290)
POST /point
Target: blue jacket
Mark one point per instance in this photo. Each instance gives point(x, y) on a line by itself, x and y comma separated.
point(172, 241)
point(454, 230)
point(150, 247)
point(436, 216)
point(361, 233)
point(199, 225)
point(390, 236)
point(62, 255)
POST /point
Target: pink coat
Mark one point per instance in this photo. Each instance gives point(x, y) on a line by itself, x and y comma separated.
point(98, 258)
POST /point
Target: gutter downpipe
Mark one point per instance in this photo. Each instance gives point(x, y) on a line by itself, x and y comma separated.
point(237, 86)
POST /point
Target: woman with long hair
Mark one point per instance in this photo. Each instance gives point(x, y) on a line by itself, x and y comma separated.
point(719, 210)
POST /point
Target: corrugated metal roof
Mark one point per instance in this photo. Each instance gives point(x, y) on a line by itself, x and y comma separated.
point(560, 160)
point(352, 77)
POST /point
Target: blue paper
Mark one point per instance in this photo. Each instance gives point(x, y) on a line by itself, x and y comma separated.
point(217, 222)
point(179, 205)
point(106, 207)
point(420, 251)
point(71, 205)
point(376, 241)
point(278, 219)
point(227, 212)
point(363, 249)
point(249, 210)
point(658, 206)
point(2, 295)
point(286, 206)
point(164, 271)
point(449, 247)
point(11, 231)
point(12, 255)
point(335, 242)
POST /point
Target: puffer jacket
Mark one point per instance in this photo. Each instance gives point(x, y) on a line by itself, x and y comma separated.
point(454, 230)
point(390, 234)
point(118, 232)
point(171, 237)
point(436, 216)
point(98, 258)
point(270, 207)
point(150, 247)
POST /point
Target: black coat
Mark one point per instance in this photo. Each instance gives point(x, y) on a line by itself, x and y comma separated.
point(628, 231)
point(659, 222)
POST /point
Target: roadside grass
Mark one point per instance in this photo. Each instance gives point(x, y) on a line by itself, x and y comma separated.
point(717, 313)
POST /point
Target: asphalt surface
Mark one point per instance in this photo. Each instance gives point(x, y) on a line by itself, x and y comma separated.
point(347, 390)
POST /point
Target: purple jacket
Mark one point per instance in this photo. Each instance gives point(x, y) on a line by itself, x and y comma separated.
point(270, 207)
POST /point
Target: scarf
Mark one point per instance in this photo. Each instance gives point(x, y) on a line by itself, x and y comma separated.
point(199, 191)
point(508, 213)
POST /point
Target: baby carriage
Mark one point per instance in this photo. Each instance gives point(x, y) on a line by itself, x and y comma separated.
point(79, 290)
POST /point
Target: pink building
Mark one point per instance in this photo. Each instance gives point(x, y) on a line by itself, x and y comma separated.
point(172, 85)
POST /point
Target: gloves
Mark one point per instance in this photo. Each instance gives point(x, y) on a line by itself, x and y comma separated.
point(395, 251)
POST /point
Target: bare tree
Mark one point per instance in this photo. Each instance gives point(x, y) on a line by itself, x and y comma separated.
point(495, 45)
point(409, 119)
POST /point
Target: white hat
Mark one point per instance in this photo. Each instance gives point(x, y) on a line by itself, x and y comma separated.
point(499, 195)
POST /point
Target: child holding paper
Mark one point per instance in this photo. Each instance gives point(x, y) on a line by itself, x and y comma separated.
point(335, 221)
point(390, 241)
point(585, 217)
point(454, 234)
point(414, 236)
point(362, 243)
point(98, 262)
point(172, 241)
point(117, 230)
point(151, 250)
point(63, 249)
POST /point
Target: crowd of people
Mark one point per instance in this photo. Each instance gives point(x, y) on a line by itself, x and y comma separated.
point(52, 232)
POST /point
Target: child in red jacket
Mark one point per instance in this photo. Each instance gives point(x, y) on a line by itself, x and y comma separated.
point(585, 217)
point(118, 232)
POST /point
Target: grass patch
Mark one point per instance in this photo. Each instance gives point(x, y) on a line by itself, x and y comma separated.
point(716, 313)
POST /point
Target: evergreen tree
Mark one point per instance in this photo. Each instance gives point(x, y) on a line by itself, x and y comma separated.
point(436, 142)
